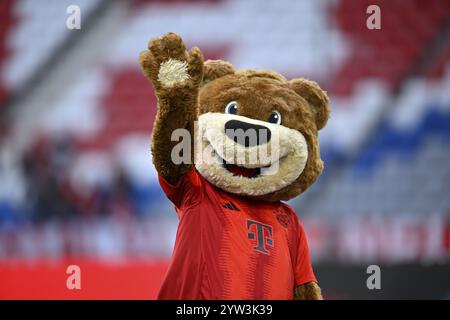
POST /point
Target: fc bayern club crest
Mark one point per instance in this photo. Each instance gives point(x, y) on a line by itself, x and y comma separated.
point(282, 218)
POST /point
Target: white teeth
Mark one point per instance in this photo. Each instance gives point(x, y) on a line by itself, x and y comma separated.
point(264, 171)
point(271, 170)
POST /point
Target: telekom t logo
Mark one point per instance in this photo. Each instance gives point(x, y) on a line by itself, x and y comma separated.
point(263, 234)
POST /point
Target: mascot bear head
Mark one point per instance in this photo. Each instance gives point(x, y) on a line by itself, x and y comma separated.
point(256, 133)
point(233, 105)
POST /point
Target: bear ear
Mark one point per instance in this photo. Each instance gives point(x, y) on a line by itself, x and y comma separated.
point(213, 69)
point(316, 97)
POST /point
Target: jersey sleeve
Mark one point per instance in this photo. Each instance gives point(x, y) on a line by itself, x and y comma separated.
point(186, 192)
point(303, 268)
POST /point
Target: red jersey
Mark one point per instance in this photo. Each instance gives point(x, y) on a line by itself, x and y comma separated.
point(231, 247)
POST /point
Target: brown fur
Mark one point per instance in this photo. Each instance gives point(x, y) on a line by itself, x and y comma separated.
point(214, 69)
point(274, 93)
point(209, 87)
point(308, 291)
point(177, 106)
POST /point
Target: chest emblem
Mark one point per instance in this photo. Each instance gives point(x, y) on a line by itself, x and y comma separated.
point(262, 233)
point(282, 218)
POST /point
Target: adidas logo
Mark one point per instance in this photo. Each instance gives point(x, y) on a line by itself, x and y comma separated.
point(230, 205)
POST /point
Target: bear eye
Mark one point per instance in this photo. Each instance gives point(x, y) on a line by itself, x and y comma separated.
point(231, 107)
point(275, 117)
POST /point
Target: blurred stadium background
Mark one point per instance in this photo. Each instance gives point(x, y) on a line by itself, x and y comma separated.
point(76, 181)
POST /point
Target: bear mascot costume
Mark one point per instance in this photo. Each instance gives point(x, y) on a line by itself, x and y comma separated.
point(235, 238)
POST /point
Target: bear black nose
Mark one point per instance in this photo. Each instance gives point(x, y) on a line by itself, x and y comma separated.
point(247, 134)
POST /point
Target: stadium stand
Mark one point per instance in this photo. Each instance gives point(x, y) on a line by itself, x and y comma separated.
point(403, 168)
point(7, 21)
point(407, 30)
point(82, 184)
point(30, 35)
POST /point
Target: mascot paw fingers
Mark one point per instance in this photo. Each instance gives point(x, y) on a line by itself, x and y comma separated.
point(168, 64)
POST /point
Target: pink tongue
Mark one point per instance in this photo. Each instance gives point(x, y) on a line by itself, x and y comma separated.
point(241, 171)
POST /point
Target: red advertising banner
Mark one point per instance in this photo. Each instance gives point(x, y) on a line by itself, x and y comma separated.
point(98, 279)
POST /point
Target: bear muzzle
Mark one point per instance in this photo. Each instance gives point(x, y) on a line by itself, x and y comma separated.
point(247, 134)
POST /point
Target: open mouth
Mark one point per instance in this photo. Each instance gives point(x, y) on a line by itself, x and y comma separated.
point(241, 171)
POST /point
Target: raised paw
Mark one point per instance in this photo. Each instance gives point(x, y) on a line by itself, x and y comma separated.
point(168, 64)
